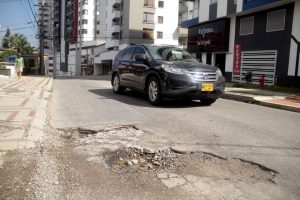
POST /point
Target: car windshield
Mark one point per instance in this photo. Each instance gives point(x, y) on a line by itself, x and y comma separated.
point(167, 53)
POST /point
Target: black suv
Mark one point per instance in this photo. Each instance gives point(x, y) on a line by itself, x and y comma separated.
point(164, 71)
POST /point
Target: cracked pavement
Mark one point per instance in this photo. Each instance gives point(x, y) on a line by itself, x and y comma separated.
point(84, 136)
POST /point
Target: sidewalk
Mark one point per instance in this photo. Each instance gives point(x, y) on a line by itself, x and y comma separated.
point(23, 105)
point(267, 98)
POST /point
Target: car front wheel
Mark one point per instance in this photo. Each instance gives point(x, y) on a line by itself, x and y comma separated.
point(153, 91)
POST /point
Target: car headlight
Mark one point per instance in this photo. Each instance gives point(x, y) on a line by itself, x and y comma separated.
point(219, 73)
point(172, 69)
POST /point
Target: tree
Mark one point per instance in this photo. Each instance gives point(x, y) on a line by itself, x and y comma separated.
point(19, 43)
point(4, 39)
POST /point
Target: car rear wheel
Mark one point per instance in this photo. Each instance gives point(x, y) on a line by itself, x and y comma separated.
point(153, 91)
point(117, 88)
point(207, 102)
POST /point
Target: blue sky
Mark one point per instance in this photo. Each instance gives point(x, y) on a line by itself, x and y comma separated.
point(16, 14)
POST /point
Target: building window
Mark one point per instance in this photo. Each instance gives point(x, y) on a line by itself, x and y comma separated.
point(148, 17)
point(161, 4)
point(160, 20)
point(98, 22)
point(97, 32)
point(149, 3)
point(147, 33)
point(276, 20)
point(246, 26)
point(84, 31)
point(84, 12)
point(84, 21)
point(160, 35)
point(97, 12)
point(85, 2)
point(213, 2)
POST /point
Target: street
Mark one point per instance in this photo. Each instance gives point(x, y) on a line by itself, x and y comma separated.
point(227, 128)
point(100, 145)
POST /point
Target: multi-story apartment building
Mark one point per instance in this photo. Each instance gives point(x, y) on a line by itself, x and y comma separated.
point(240, 36)
point(106, 26)
point(185, 9)
point(45, 18)
point(45, 14)
point(133, 22)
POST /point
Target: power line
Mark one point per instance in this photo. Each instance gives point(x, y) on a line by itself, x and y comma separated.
point(32, 11)
point(27, 15)
point(18, 28)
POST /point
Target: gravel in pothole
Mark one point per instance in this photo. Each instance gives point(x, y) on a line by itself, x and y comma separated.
point(197, 164)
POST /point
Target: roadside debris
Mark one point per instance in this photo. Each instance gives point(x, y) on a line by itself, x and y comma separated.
point(196, 164)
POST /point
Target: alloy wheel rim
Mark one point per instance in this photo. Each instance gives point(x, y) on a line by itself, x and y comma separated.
point(152, 91)
point(116, 83)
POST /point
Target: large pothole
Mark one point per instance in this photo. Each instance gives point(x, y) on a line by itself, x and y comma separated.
point(197, 164)
point(117, 148)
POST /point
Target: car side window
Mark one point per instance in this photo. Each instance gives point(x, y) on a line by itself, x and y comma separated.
point(139, 51)
point(119, 56)
point(128, 54)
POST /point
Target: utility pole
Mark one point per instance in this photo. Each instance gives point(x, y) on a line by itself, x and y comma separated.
point(41, 37)
point(78, 49)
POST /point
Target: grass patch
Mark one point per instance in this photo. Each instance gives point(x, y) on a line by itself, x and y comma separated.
point(274, 88)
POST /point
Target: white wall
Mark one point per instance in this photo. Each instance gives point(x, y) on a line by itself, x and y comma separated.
point(91, 21)
point(222, 8)
point(293, 48)
point(204, 10)
point(170, 23)
point(230, 53)
point(239, 6)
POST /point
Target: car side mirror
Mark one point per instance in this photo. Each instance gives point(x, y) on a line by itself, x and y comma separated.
point(141, 58)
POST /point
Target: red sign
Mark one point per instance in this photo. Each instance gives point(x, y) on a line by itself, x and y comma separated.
point(237, 59)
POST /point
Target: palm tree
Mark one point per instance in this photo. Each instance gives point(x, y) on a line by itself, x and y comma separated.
point(19, 43)
point(11, 41)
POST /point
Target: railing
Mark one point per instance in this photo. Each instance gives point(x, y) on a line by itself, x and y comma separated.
point(190, 15)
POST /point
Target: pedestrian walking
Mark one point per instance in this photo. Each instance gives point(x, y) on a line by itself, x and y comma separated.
point(19, 66)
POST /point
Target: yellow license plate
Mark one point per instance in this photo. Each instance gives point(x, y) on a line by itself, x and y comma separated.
point(207, 87)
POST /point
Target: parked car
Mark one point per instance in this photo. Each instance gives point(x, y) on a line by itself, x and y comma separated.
point(164, 71)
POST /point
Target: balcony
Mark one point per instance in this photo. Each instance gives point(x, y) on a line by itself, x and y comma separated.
point(116, 4)
point(115, 29)
point(116, 14)
point(190, 18)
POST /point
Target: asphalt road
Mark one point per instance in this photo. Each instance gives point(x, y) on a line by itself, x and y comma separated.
point(228, 128)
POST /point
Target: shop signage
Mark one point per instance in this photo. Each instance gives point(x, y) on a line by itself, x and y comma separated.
point(237, 59)
point(210, 37)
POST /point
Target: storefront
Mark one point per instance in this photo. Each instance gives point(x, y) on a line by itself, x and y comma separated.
point(209, 42)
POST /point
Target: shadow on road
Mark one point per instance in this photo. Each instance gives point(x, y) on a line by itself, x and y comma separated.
point(139, 99)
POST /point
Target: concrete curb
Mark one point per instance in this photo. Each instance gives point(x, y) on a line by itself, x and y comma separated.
point(241, 98)
point(279, 106)
point(251, 99)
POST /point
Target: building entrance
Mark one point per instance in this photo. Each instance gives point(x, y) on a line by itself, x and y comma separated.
point(221, 62)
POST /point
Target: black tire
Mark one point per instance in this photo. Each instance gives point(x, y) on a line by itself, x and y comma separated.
point(117, 88)
point(153, 91)
point(207, 102)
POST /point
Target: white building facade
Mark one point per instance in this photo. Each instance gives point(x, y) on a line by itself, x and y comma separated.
point(240, 36)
